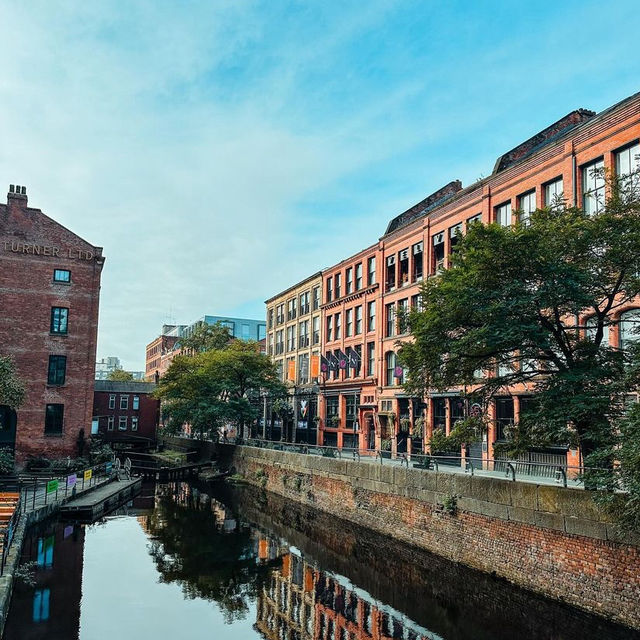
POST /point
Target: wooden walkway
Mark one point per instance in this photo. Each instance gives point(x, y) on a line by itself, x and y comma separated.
point(165, 474)
point(101, 500)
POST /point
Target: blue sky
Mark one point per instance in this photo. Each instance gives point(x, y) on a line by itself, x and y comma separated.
point(220, 151)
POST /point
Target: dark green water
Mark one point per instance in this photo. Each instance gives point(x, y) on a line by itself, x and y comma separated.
point(217, 562)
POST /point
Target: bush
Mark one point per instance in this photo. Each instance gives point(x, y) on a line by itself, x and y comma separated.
point(7, 462)
point(38, 463)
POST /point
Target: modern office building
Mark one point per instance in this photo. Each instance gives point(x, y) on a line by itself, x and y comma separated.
point(49, 293)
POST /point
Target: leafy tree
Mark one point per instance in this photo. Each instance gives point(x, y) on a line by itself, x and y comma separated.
point(120, 375)
point(511, 310)
point(207, 337)
point(213, 388)
point(12, 390)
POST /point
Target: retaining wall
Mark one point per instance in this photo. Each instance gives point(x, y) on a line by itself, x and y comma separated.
point(552, 540)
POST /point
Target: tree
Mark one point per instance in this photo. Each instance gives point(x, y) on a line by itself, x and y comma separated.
point(206, 337)
point(120, 375)
point(532, 304)
point(12, 390)
point(213, 388)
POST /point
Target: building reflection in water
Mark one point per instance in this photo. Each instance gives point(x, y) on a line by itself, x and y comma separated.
point(50, 608)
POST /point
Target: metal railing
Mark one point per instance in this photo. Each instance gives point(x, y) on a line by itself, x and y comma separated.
point(7, 533)
point(513, 469)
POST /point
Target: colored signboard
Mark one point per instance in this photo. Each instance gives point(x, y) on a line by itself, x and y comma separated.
point(52, 486)
point(71, 480)
point(87, 474)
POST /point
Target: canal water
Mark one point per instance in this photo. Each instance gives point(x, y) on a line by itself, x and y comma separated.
point(198, 561)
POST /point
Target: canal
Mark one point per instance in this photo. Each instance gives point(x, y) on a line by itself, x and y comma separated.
point(221, 562)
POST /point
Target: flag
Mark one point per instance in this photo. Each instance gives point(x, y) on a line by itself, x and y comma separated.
point(354, 359)
point(325, 365)
point(342, 360)
point(291, 373)
point(315, 366)
point(334, 364)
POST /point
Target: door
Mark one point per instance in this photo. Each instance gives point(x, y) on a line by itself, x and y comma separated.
point(8, 421)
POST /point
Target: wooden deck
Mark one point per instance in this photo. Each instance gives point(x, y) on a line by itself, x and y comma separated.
point(102, 500)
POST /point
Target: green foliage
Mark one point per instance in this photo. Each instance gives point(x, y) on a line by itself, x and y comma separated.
point(385, 444)
point(334, 421)
point(418, 428)
point(207, 337)
point(120, 375)
point(214, 388)
point(25, 573)
point(12, 390)
point(7, 462)
point(262, 477)
point(514, 303)
point(450, 504)
point(100, 453)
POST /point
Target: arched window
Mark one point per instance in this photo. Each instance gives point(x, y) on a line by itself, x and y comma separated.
point(629, 327)
point(592, 327)
point(390, 365)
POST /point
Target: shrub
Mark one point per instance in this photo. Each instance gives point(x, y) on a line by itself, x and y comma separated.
point(7, 462)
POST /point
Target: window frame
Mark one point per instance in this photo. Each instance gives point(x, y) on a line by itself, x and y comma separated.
point(54, 367)
point(59, 419)
point(59, 280)
point(56, 322)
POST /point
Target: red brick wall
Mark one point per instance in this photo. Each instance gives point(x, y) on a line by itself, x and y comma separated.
point(550, 540)
point(27, 293)
point(148, 415)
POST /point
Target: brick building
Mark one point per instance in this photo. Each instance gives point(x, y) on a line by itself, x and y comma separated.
point(294, 330)
point(553, 165)
point(125, 412)
point(49, 293)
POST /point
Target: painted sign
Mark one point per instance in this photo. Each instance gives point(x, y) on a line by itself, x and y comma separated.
point(71, 480)
point(87, 474)
point(52, 486)
point(108, 467)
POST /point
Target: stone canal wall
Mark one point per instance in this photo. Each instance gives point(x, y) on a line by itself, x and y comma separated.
point(549, 539)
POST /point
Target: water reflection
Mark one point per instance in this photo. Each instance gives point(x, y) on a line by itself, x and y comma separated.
point(219, 561)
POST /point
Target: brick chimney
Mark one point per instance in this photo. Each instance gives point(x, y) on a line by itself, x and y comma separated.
point(17, 196)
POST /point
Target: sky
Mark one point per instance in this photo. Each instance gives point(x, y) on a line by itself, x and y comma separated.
point(220, 151)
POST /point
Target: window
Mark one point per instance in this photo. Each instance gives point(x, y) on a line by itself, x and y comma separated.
point(303, 334)
point(303, 369)
point(291, 309)
point(391, 273)
point(329, 289)
point(503, 214)
point(628, 170)
point(403, 308)
point(358, 320)
point(352, 403)
point(270, 349)
point(124, 402)
point(439, 413)
point(316, 330)
point(134, 423)
point(280, 313)
point(438, 253)
point(57, 370)
point(110, 423)
point(390, 318)
point(629, 328)
point(593, 187)
point(403, 258)
point(136, 403)
point(41, 604)
point(59, 320)
point(112, 401)
point(591, 329)
point(329, 328)
point(349, 281)
point(553, 193)
point(527, 205)
point(371, 271)
point(338, 283)
point(390, 365)
point(348, 321)
point(122, 423)
point(262, 332)
point(45, 551)
point(53, 419)
point(304, 303)
point(357, 360)
point(453, 236)
point(359, 276)
point(504, 417)
point(418, 261)
point(474, 219)
point(338, 326)
point(62, 275)
point(371, 316)
point(245, 331)
point(371, 358)
point(316, 298)
point(270, 319)
point(279, 342)
point(332, 408)
point(416, 302)
point(291, 338)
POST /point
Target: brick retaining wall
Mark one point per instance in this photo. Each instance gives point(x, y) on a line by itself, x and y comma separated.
point(552, 540)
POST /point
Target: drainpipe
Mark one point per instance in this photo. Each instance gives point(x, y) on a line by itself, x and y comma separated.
point(574, 177)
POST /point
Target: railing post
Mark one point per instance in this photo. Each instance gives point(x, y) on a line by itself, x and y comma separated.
point(563, 475)
point(511, 468)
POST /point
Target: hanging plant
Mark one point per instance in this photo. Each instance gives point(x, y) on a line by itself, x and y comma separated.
point(418, 428)
point(385, 444)
point(334, 421)
point(405, 424)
